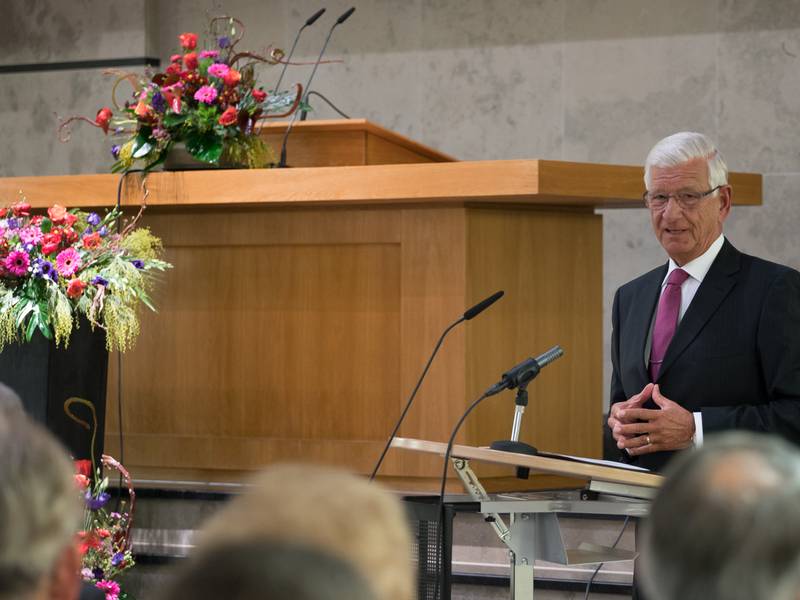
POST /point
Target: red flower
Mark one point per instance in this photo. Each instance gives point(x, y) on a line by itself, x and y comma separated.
point(3, 212)
point(232, 77)
point(56, 213)
point(37, 220)
point(103, 533)
point(90, 540)
point(188, 40)
point(75, 288)
point(228, 117)
point(259, 95)
point(70, 235)
point(70, 219)
point(48, 249)
point(174, 69)
point(103, 117)
point(190, 61)
point(21, 209)
point(81, 481)
point(92, 241)
point(83, 467)
point(175, 58)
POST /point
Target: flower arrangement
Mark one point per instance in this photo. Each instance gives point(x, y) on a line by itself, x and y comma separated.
point(104, 541)
point(206, 98)
point(57, 267)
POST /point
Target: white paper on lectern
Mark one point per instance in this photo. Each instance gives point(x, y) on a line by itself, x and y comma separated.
point(595, 461)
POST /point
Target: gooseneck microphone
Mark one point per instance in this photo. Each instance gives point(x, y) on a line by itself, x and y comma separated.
point(339, 21)
point(310, 21)
point(525, 371)
point(470, 313)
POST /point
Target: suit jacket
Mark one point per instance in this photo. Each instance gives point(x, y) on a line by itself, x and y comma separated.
point(735, 356)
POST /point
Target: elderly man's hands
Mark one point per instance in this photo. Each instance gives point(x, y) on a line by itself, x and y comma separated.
point(639, 430)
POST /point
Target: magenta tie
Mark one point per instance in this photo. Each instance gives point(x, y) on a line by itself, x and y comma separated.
point(669, 308)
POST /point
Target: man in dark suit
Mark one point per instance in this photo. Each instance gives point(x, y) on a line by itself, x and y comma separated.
point(709, 341)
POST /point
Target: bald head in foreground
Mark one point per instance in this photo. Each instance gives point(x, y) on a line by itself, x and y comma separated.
point(726, 523)
point(329, 510)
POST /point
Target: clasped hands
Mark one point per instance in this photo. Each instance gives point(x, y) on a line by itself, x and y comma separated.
point(640, 430)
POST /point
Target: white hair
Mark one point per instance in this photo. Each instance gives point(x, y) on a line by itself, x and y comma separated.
point(39, 504)
point(726, 523)
point(679, 148)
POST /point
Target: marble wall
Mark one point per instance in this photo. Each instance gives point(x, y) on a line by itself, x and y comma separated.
point(585, 80)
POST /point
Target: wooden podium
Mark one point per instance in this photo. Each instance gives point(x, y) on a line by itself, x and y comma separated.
point(304, 303)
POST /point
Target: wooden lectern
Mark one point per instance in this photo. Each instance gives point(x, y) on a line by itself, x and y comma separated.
point(305, 301)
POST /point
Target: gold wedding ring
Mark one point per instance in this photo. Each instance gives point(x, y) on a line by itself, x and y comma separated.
point(648, 439)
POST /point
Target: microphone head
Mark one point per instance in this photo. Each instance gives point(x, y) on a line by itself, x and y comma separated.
point(481, 306)
point(313, 18)
point(346, 15)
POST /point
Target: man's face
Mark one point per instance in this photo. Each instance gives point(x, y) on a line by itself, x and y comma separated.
point(687, 233)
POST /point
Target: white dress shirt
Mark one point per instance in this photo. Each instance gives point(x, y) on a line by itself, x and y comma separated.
point(697, 270)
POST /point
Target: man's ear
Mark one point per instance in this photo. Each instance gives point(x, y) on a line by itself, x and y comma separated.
point(65, 577)
point(725, 201)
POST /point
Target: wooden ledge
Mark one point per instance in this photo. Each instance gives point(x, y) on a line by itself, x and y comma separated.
point(525, 182)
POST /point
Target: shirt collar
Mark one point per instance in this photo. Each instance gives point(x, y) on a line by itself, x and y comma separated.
point(698, 268)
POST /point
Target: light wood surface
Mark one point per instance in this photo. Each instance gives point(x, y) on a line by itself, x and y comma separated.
point(330, 143)
point(524, 182)
point(538, 464)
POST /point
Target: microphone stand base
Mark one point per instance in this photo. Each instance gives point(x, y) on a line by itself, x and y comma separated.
point(519, 448)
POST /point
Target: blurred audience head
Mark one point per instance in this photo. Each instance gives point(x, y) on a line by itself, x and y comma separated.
point(9, 400)
point(326, 509)
point(270, 570)
point(39, 513)
point(726, 523)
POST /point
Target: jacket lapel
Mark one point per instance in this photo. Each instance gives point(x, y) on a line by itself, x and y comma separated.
point(716, 285)
point(644, 306)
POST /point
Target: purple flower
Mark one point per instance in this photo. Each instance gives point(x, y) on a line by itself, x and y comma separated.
point(115, 515)
point(12, 223)
point(206, 94)
point(93, 503)
point(103, 231)
point(17, 263)
point(138, 263)
point(224, 41)
point(97, 573)
point(93, 219)
point(159, 102)
point(99, 280)
point(44, 269)
point(115, 150)
point(117, 558)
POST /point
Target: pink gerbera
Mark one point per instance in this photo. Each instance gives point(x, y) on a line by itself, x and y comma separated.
point(68, 262)
point(206, 94)
point(111, 588)
point(17, 263)
point(218, 70)
point(31, 235)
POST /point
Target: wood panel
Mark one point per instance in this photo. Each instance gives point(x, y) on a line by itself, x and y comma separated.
point(550, 265)
point(282, 330)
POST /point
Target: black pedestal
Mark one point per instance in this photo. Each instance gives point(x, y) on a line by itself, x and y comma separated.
point(45, 376)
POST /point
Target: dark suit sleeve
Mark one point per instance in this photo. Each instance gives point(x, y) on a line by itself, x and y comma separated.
point(617, 391)
point(778, 346)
